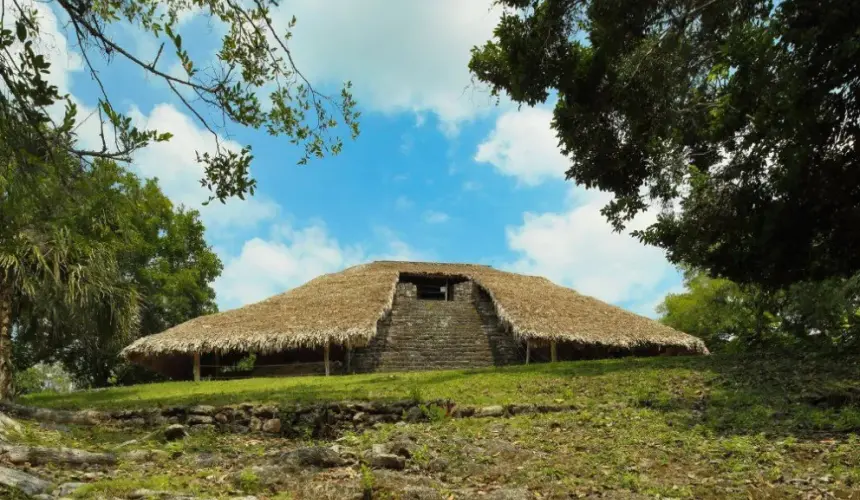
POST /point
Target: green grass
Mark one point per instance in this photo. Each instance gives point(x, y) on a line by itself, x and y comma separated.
point(697, 427)
point(751, 394)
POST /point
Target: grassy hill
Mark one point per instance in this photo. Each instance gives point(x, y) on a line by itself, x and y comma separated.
point(693, 427)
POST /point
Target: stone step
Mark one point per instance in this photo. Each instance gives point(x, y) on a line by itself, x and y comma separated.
point(424, 335)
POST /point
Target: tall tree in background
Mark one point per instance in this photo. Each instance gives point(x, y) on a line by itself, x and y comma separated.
point(817, 316)
point(45, 260)
point(740, 117)
point(253, 58)
point(160, 251)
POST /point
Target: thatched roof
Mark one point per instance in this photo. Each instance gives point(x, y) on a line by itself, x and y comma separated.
point(347, 305)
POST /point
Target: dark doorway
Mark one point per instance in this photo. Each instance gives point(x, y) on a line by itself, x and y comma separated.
point(432, 287)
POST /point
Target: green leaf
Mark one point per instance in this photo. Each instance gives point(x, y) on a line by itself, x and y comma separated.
point(21, 30)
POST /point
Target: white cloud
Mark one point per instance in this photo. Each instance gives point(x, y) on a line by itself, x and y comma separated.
point(175, 165)
point(293, 256)
point(403, 203)
point(578, 248)
point(434, 217)
point(522, 145)
point(471, 186)
point(403, 56)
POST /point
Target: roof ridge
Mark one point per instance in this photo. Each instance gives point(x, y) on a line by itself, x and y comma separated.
point(429, 263)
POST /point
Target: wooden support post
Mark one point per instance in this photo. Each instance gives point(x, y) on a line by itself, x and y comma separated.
point(325, 358)
point(197, 366)
point(348, 357)
point(528, 350)
point(552, 352)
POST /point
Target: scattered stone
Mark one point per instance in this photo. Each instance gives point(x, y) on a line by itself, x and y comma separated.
point(402, 447)
point(265, 412)
point(437, 464)
point(200, 420)
point(515, 409)
point(345, 452)
point(38, 455)
point(8, 424)
point(156, 419)
point(174, 432)
point(255, 424)
point(203, 428)
point(31, 485)
point(272, 426)
point(174, 411)
point(415, 414)
point(134, 422)
point(67, 489)
point(221, 418)
point(316, 456)
point(387, 461)
point(464, 412)
point(359, 416)
point(202, 410)
point(145, 455)
point(490, 411)
point(549, 408)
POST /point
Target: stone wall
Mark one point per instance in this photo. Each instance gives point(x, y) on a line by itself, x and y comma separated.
point(408, 291)
point(433, 334)
point(463, 291)
point(320, 420)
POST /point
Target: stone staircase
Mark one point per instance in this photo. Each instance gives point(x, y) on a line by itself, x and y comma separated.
point(437, 335)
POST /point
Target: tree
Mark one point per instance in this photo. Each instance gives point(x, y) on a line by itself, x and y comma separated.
point(721, 313)
point(740, 118)
point(159, 249)
point(253, 57)
point(45, 264)
point(812, 316)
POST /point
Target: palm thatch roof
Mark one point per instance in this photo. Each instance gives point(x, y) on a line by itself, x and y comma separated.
point(346, 306)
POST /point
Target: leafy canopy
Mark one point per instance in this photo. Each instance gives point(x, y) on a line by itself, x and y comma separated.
point(740, 118)
point(160, 253)
point(821, 316)
point(254, 59)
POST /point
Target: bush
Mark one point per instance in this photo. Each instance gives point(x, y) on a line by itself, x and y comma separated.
point(43, 377)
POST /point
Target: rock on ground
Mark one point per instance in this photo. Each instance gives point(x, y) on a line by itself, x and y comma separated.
point(174, 432)
point(66, 489)
point(490, 411)
point(272, 426)
point(31, 485)
point(316, 456)
point(387, 461)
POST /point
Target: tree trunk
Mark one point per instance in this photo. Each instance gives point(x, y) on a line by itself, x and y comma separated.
point(6, 373)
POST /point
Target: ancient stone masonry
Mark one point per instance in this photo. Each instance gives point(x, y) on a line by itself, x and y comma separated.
point(436, 334)
point(319, 420)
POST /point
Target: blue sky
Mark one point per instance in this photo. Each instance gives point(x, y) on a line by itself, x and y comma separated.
point(438, 173)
